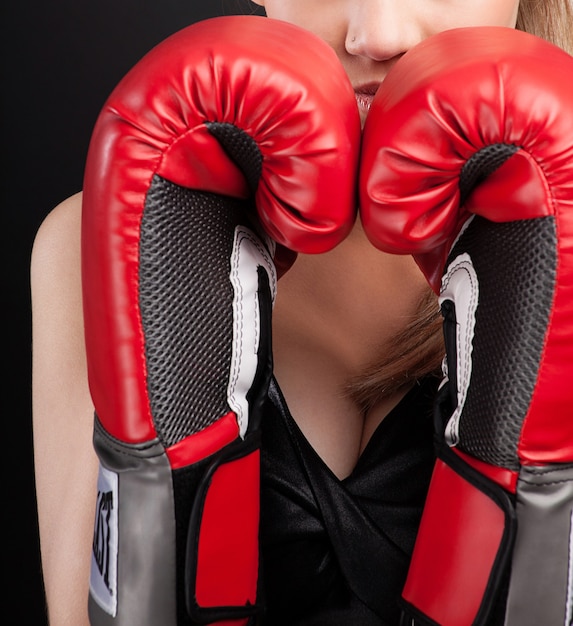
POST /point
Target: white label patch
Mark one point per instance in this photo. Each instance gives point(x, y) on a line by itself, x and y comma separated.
point(460, 286)
point(103, 575)
point(248, 254)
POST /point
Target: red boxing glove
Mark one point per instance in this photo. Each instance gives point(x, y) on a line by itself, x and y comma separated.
point(467, 163)
point(233, 134)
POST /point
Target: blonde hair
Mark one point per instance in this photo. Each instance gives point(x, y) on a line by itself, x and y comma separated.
point(413, 353)
point(418, 350)
point(549, 19)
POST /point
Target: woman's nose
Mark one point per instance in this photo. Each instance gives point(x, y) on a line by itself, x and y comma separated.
point(382, 29)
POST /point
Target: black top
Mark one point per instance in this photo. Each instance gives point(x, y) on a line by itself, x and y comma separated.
point(336, 552)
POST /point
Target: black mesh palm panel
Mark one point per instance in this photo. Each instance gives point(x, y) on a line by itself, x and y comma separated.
point(186, 305)
point(515, 263)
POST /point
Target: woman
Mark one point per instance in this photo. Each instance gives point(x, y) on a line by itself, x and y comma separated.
point(358, 323)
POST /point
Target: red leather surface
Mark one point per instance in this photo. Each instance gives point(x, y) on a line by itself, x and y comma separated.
point(204, 443)
point(227, 568)
point(505, 478)
point(295, 101)
point(457, 543)
point(447, 98)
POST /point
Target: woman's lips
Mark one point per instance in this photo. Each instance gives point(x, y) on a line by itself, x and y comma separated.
point(364, 101)
point(365, 95)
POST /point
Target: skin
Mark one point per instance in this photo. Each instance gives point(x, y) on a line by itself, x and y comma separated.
point(325, 333)
point(324, 327)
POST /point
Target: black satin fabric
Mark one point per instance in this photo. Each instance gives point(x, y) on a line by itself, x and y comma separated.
point(336, 552)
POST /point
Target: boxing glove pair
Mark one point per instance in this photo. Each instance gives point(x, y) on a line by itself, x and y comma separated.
point(222, 154)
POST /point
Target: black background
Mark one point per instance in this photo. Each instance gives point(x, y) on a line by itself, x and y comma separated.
point(60, 60)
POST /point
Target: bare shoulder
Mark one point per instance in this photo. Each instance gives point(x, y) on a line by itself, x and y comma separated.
point(58, 238)
point(55, 271)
